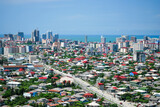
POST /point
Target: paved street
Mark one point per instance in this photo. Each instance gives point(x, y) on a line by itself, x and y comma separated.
point(89, 88)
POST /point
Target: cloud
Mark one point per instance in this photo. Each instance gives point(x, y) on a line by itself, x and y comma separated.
point(26, 1)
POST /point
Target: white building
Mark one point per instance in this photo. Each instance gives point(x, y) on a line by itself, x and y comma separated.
point(103, 39)
point(120, 45)
point(7, 50)
point(22, 49)
point(13, 84)
point(139, 56)
point(137, 46)
point(63, 44)
point(28, 48)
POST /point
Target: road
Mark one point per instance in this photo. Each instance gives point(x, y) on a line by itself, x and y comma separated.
point(89, 88)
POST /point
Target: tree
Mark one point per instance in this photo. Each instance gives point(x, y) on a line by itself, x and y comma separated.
point(7, 93)
point(78, 104)
point(95, 95)
point(68, 84)
point(102, 99)
point(3, 60)
point(113, 105)
point(101, 75)
point(45, 54)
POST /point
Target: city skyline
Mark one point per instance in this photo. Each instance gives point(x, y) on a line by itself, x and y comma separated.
point(86, 17)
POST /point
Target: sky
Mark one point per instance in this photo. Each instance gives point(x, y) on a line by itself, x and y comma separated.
point(81, 17)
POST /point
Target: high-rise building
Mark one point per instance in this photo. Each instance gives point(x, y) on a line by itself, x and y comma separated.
point(21, 34)
point(44, 36)
point(35, 36)
point(9, 36)
point(85, 39)
point(15, 49)
point(121, 39)
point(106, 50)
point(134, 39)
point(103, 39)
point(56, 45)
point(55, 38)
point(1, 44)
point(49, 35)
point(120, 45)
point(15, 37)
point(113, 47)
point(29, 48)
point(137, 46)
point(22, 49)
point(7, 50)
point(139, 56)
point(145, 37)
point(159, 44)
point(126, 37)
point(63, 44)
point(1, 47)
point(126, 43)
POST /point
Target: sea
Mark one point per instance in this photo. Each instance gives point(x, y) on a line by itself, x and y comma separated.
point(95, 38)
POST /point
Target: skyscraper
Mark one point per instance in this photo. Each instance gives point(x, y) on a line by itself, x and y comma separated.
point(103, 39)
point(9, 36)
point(21, 34)
point(145, 37)
point(134, 39)
point(113, 47)
point(49, 35)
point(121, 39)
point(35, 36)
point(159, 44)
point(139, 56)
point(55, 38)
point(1, 47)
point(126, 37)
point(85, 39)
point(137, 46)
point(43, 36)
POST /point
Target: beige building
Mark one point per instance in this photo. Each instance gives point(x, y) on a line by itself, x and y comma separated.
point(32, 58)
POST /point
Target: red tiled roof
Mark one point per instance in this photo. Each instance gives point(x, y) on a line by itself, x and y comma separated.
point(42, 77)
point(53, 105)
point(21, 69)
point(136, 80)
point(88, 94)
point(32, 73)
point(147, 96)
point(38, 65)
point(73, 100)
point(50, 100)
point(135, 73)
point(122, 77)
point(123, 64)
point(1, 79)
point(100, 84)
point(52, 90)
point(85, 61)
point(115, 88)
point(16, 66)
point(98, 100)
point(54, 77)
point(104, 54)
point(64, 69)
point(6, 70)
point(116, 76)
